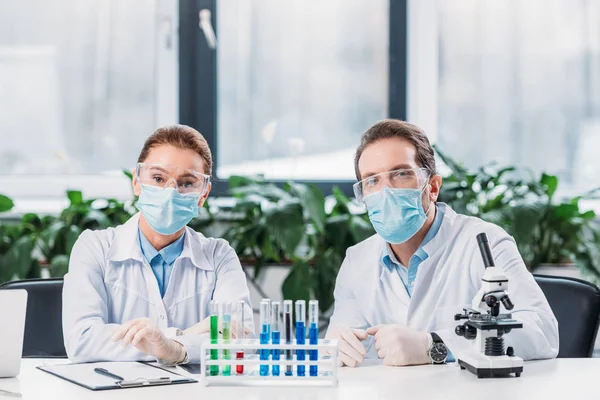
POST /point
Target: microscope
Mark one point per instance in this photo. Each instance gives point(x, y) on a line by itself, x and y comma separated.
point(485, 324)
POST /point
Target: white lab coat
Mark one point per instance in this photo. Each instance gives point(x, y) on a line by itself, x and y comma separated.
point(369, 294)
point(109, 283)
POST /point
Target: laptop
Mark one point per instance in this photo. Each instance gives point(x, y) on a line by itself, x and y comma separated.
point(13, 306)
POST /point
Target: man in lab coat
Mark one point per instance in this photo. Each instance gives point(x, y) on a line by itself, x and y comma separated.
point(397, 292)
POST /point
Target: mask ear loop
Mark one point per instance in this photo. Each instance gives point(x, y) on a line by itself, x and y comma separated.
point(431, 202)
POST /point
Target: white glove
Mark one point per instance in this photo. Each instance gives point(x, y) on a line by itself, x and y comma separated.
point(204, 327)
point(351, 350)
point(145, 336)
point(399, 345)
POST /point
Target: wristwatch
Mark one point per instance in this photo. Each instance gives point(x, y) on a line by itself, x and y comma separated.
point(438, 352)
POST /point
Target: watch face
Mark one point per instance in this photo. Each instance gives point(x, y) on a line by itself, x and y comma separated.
point(438, 352)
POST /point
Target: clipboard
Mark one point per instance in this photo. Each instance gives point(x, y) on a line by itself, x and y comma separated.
point(135, 374)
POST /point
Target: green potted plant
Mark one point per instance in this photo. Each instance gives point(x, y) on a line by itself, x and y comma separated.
point(553, 235)
point(296, 226)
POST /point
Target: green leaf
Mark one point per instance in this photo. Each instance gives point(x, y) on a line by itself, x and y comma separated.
point(128, 174)
point(324, 275)
point(296, 285)
point(313, 203)
point(19, 257)
point(71, 236)
point(550, 183)
point(75, 197)
point(241, 181)
point(59, 265)
point(6, 204)
point(285, 225)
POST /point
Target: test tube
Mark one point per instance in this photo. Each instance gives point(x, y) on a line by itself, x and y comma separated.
point(313, 334)
point(300, 334)
point(239, 354)
point(226, 331)
point(265, 332)
point(214, 335)
point(287, 322)
point(275, 333)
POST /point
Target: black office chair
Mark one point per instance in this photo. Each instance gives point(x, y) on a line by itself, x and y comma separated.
point(576, 305)
point(43, 323)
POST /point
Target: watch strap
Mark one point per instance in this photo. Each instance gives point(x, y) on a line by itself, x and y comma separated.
point(436, 338)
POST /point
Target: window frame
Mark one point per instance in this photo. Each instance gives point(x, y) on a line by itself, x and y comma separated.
point(198, 81)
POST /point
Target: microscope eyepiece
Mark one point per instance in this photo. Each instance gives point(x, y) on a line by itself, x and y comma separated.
point(484, 248)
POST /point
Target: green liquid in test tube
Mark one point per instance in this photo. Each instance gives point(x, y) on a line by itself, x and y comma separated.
point(226, 329)
point(214, 335)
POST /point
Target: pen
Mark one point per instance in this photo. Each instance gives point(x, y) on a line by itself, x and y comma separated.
point(105, 372)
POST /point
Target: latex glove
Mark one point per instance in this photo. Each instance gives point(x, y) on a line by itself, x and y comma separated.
point(145, 336)
point(351, 350)
point(204, 327)
point(399, 345)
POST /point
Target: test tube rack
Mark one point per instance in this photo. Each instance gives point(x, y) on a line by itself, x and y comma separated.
point(327, 363)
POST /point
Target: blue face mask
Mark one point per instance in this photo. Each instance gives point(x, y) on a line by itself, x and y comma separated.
point(166, 210)
point(396, 214)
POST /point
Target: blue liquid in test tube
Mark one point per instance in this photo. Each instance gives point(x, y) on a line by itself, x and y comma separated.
point(275, 333)
point(301, 335)
point(265, 332)
point(313, 335)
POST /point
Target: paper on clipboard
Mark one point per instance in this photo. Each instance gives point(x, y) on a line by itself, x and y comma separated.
point(131, 372)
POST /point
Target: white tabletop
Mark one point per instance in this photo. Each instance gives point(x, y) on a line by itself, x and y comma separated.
point(555, 379)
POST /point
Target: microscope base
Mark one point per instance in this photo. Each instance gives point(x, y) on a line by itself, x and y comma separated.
point(493, 367)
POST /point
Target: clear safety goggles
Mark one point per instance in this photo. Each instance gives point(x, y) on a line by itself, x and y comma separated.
point(413, 178)
point(163, 176)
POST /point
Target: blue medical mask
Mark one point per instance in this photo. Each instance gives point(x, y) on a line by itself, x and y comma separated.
point(166, 210)
point(396, 214)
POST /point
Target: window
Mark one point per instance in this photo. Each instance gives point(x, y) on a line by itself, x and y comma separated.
point(519, 83)
point(286, 92)
point(83, 84)
point(298, 82)
point(290, 86)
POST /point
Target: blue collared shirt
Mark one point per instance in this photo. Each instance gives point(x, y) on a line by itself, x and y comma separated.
point(161, 261)
point(408, 275)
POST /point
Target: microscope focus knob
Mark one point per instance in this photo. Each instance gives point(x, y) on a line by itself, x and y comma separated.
point(470, 333)
point(510, 351)
point(466, 331)
point(460, 330)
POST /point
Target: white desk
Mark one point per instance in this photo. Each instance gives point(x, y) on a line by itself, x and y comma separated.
point(568, 379)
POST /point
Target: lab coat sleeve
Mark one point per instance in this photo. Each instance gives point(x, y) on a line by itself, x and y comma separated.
point(348, 310)
point(538, 339)
point(85, 313)
point(230, 286)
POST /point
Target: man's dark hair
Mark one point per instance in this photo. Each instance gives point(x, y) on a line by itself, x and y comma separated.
point(395, 128)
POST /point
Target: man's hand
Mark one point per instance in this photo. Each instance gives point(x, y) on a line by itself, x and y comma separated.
point(351, 350)
point(399, 345)
point(204, 327)
point(145, 336)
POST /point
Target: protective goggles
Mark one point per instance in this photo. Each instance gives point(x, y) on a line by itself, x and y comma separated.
point(413, 178)
point(163, 176)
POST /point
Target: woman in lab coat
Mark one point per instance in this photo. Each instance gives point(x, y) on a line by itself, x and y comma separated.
point(141, 291)
point(397, 292)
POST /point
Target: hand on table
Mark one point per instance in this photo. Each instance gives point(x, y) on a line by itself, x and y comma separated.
point(145, 336)
point(350, 348)
point(399, 345)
